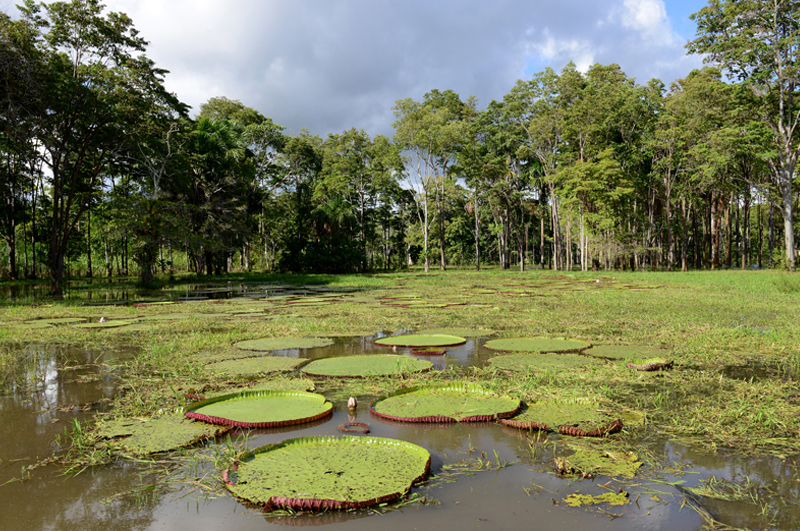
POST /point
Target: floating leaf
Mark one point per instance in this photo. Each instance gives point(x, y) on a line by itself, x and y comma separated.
point(537, 344)
point(361, 366)
point(321, 473)
point(428, 351)
point(57, 321)
point(626, 351)
point(446, 403)
point(261, 409)
point(276, 384)
point(461, 332)
point(578, 417)
point(521, 362)
point(107, 324)
point(157, 434)
point(255, 365)
point(591, 462)
point(419, 340)
point(284, 343)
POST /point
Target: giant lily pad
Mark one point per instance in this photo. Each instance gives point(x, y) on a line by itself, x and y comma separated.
point(462, 332)
point(261, 409)
point(579, 417)
point(537, 344)
point(158, 434)
point(57, 321)
point(360, 366)
point(445, 403)
point(257, 365)
point(107, 324)
point(622, 352)
point(321, 473)
point(284, 343)
point(522, 362)
point(419, 340)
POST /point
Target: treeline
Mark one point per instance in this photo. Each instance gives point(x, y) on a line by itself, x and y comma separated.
point(102, 168)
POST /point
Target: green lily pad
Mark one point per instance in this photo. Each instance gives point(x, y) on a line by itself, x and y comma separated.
point(622, 352)
point(591, 462)
point(651, 364)
point(461, 332)
point(361, 366)
point(579, 417)
point(284, 343)
point(611, 498)
point(157, 434)
point(57, 321)
point(419, 340)
point(261, 409)
point(445, 403)
point(537, 344)
point(522, 362)
point(107, 324)
point(322, 473)
point(276, 384)
point(255, 365)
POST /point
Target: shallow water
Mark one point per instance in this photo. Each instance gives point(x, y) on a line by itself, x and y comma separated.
point(63, 384)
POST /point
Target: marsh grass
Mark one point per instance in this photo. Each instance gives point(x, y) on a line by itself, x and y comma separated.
point(707, 320)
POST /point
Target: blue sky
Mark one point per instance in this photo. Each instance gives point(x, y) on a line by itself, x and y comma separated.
point(331, 65)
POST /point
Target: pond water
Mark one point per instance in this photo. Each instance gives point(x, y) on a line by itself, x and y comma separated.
point(65, 384)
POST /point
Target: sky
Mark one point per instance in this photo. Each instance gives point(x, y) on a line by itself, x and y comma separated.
point(329, 66)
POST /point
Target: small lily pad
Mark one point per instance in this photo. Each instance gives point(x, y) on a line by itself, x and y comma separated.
point(276, 384)
point(445, 403)
point(261, 409)
point(284, 343)
point(255, 365)
point(322, 473)
point(157, 434)
point(57, 321)
point(420, 340)
point(537, 344)
point(107, 324)
point(522, 362)
point(361, 366)
point(651, 364)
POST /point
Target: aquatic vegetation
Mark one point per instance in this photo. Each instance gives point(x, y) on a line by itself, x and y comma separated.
point(261, 409)
point(445, 403)
point(523, 362)
point(592, 462)
point(650, 364)
point(283, 343)
point(319, 473)
point(156, 434)
point(611, 498)
point(537, 344)
point(420, 340)
point(580, 417)
point(626, 351)
point(255, 365)
point(362, 366)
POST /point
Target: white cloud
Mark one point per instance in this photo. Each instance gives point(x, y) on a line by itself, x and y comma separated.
point(329, 66)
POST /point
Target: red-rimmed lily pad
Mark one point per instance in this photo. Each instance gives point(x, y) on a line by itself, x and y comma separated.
point(445, 403)
point(256, 365)
point(276, 384)
point(421, 340)
point(363, 366)
point(323, 473)
point(523, 362)
point(537, 344)
point(284, 343)
point(578, 417)
point(261, 409)
point(157, 434)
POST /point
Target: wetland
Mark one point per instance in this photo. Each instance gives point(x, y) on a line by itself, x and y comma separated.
point(714, 437)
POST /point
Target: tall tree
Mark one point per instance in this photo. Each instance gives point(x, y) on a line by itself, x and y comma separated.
point(97, 90)
point(758, 42)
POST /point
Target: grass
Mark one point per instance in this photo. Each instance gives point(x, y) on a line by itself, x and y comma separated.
point(710, 321)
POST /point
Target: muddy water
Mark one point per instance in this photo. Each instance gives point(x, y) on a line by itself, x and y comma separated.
point(65, 384)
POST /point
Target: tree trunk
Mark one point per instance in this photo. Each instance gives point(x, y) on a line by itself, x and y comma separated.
point(89, 244)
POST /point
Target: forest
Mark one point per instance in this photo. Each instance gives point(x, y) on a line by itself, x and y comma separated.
point(104, 172)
